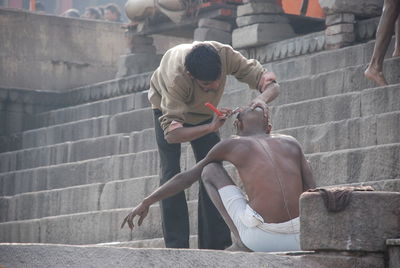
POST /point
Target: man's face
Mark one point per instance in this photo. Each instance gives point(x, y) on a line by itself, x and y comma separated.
point(109, 15)
point(209, 85)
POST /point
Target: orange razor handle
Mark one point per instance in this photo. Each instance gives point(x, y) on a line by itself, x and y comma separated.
point(212, 107)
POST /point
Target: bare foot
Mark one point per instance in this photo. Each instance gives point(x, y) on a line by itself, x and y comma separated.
point(236, 247)
point(396, 52)
point(374, 75)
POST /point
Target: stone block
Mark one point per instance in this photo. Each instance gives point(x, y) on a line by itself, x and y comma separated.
point(120, 255)
point(353, 229)
point(387, 127)
point(132, 121)
point(369, 8)
point(380, 100)
point(95, 147)
point(263, 18)
point(338, 18)
point(215, 24)
point(261, 34)
point(82, 129)
point(318, 111)
point(340, 28)
point(142, 140)
point(204, 34)
point(374, 163)
point(393, 252)
point(252, 8)
point(339, 40)
point(137, 63)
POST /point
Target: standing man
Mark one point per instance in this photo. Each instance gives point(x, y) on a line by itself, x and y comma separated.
point(274, 173)
point(188, 76)
point(388, 23)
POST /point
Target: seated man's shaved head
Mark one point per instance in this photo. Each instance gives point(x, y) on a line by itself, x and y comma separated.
point(249, 120)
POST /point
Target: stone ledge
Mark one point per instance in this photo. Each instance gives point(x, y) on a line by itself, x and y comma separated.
point(352, 229)
point(26, 255)
point(287, 48)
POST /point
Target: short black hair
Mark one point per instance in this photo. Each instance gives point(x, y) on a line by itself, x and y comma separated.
point(114, 9)
point(94, 12)
point(203, 62)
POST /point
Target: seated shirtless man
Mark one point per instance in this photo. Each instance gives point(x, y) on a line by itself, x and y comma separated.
point(274, 173)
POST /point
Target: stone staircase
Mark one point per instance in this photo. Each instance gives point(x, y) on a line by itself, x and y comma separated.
point(80, 169)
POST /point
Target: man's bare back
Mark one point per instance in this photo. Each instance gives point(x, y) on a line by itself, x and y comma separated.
point(270, 169)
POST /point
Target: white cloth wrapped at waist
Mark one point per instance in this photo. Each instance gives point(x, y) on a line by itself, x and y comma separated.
point(251, 219)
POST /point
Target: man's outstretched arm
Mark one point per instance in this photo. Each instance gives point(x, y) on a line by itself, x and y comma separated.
point(175, 185)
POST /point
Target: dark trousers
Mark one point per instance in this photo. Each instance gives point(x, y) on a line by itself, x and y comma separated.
point(213, 233)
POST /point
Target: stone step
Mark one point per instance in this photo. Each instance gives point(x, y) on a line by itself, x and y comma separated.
point(83, 172)
point(360, 131)
point(64, 152)
point(320, 62)
point(355, 165)
point(347, 134)
point(333, 82)
point(148, 243)
point(88, 128)
point(110, 106)
point(88, 227)
point(125, 122)
point(372, 163)
point(26, 255)
point(78, 150)
point(100, 170)
point(348, 71)
point(85, 198)
point(307, 112)
point(82, 198)
point(337, 107)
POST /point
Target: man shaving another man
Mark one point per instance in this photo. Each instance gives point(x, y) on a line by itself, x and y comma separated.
point(274, 173)
point(190, 75)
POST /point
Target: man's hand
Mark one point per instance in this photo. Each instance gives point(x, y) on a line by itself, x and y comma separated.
point(218, 121)
point(141, 210)
point(266, 79)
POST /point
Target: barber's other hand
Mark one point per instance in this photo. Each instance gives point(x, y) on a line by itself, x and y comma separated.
point(141, 210)
point(266, 79)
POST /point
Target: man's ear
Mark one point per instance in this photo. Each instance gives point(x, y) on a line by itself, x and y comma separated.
point(269, 128)
point(239, 125)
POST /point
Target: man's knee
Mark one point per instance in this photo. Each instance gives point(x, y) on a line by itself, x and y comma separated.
point(209, 172)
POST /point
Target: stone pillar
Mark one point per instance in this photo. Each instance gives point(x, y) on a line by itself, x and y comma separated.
point(339, 30)
point(215, 30)
point(363, 226)
point(260, 22)
point(393, 253)
point(142, 57)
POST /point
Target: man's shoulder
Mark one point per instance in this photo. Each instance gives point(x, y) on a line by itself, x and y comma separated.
point(284, 138)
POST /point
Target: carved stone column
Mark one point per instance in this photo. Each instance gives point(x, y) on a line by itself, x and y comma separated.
point(260, 22)
point(141, 58)
point(212, 29)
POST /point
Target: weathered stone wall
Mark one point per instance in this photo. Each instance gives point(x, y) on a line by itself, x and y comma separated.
point(363, 8)
point(56, 53)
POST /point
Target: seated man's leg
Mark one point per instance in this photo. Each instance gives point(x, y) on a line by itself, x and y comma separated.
point(214, 177)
